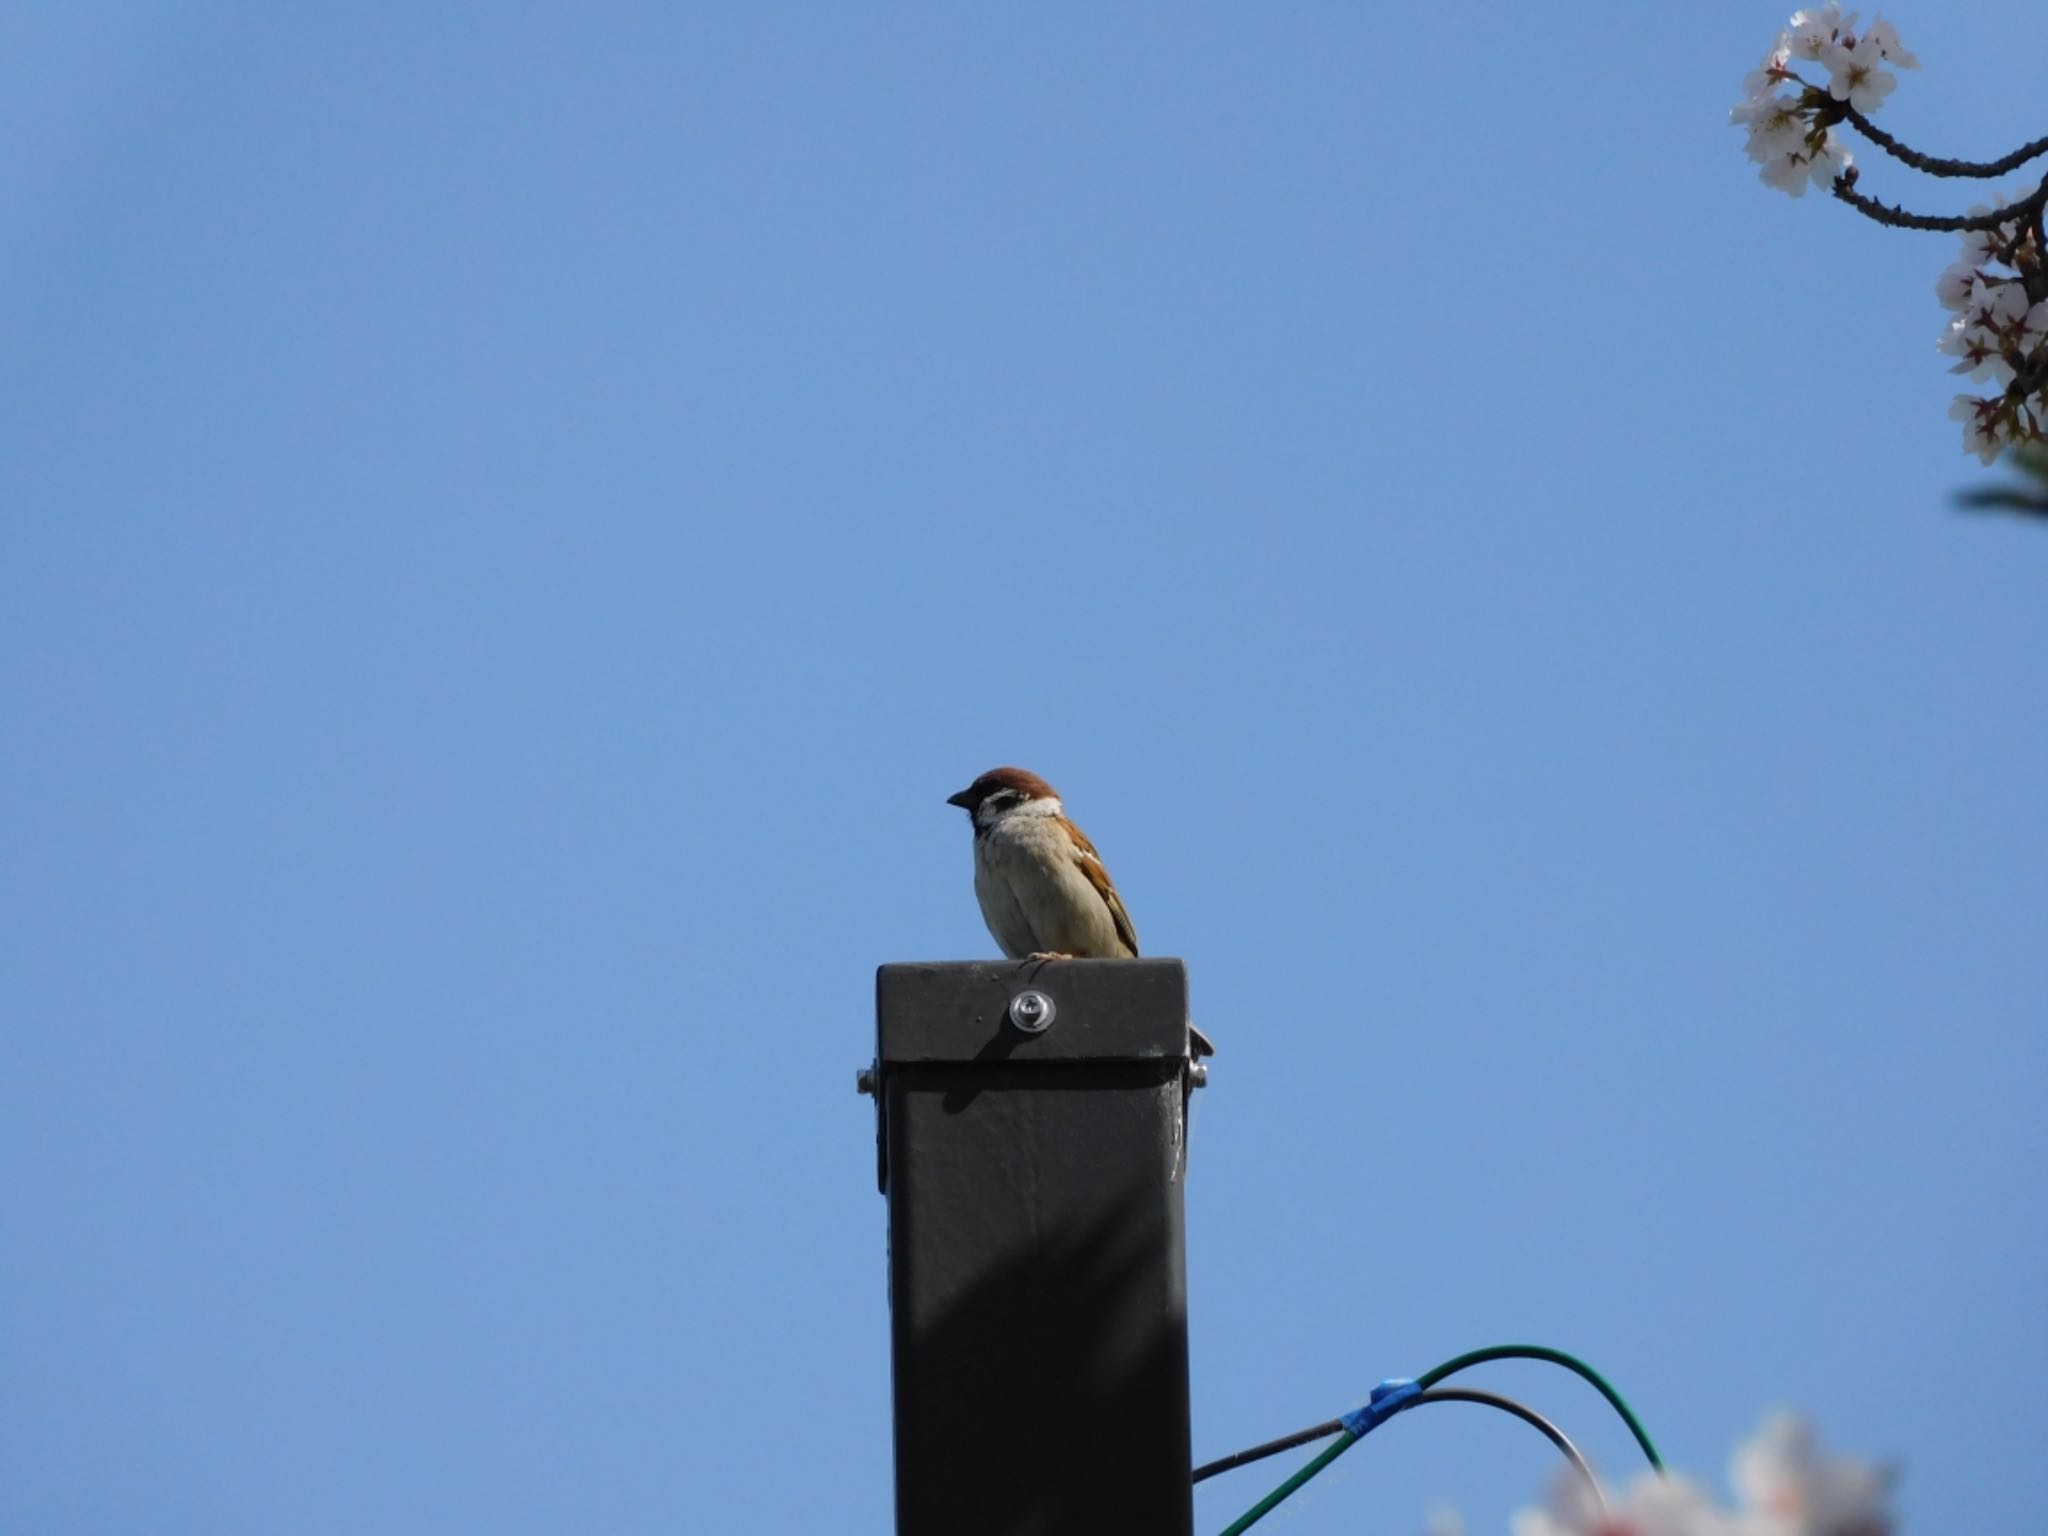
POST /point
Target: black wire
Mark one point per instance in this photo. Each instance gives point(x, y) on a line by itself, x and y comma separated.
point(1270, 1448)
point(1530, 1416)
point(1527, 1415)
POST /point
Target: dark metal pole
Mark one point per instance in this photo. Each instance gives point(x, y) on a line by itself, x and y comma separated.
point(1032, 1131)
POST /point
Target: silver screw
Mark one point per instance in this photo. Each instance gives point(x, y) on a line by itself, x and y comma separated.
point(1198, 1074)
point(864, 1081)
point(1032, 1012)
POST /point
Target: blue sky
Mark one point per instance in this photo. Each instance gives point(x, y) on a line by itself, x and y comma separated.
point(511, 525)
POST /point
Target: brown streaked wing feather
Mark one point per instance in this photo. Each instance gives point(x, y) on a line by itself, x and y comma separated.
point(1091, 866)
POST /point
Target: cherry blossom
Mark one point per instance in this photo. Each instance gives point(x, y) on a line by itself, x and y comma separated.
point(1953, 287)
point(1784, 1484)
point(1886, 37)
point(1776, 125)
point(1794, 149)
point(1981, 246)
point(1988, 334)
point(1814, 31)
point(1653, 1506)
point(1767, 76)
point(2034, 329)
point(1983, 424)
point(1854, 76)
point(1787, 1487)
point(1996, 289)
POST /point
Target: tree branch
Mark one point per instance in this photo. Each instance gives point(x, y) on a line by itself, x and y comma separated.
point(1899, 218)
point(2037, 279)
point(1999, 499)
point(1935, 165)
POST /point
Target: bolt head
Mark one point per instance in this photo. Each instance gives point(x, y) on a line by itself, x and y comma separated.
point(864, 1081)
point(1033, 1012)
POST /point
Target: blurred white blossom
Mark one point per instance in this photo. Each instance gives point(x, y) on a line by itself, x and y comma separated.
point(1652, 1506)
point(1784, 1485)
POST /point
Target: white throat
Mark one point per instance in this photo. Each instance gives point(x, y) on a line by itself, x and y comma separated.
point(990, 813)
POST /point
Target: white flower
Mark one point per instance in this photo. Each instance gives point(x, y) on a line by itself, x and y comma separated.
point(1981, 247)
point(1855, 78)
point(1999, 304)
point(1787, 173)
point(1785, 1487)
point(1978, 354)
point(1983, 424)
point(1886, 37)
point(2034, 328)
point(1762, 80)
point(1978, 336)
point(1954, 285)
point(1777, 125)
point(2032, 426)
point(1781, 1474)
point(1653, 1506)
point(1793, 170)
point(1831, 162)
point(1813, 31)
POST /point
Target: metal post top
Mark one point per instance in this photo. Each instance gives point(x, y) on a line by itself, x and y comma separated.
point(1031, 1010)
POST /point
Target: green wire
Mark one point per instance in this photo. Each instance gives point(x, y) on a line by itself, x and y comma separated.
point(1556, 1357)
point(1244, 1522)
point(1346, 1439)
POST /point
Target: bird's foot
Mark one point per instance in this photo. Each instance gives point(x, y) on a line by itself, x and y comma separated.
point(1044, 955)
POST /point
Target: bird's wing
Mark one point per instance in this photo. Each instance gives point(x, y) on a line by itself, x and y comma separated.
point(1098, 877)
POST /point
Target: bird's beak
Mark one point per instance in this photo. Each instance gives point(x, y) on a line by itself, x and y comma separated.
point(965, 799)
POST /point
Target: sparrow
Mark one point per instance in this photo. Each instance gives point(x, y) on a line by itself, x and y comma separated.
point(1044, 892)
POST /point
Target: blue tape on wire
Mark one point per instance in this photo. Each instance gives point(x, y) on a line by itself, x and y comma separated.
point(1388, 1399)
